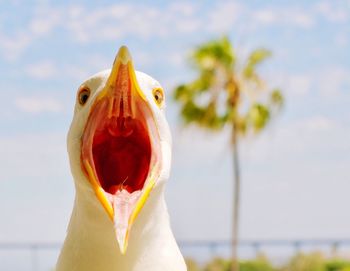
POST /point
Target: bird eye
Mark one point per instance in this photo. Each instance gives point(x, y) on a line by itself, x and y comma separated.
point(158, 95)
point(83, 95)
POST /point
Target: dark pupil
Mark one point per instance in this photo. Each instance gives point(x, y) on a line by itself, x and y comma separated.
point(84, 97)
point(157, 97)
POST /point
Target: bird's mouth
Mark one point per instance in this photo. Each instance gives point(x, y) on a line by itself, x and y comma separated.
point(120, 147)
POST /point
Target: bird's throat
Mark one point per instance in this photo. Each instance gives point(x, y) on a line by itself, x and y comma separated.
point(121, 151)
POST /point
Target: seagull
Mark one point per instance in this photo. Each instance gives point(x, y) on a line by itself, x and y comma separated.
point(119, 147)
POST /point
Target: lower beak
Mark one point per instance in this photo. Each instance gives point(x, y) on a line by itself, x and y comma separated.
point(118, 154)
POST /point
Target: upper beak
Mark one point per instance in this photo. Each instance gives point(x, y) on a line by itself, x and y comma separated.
point(122, 86)
point(119, 101)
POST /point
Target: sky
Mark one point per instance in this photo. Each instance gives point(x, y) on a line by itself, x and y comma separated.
point(295, 175)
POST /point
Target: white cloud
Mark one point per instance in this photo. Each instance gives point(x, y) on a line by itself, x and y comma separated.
point(32, 155)
point(334, 11)
point(298, 84)
point(44, 20)
point(325, 82)
point(332, 81)
point(121, 20)
point(116, 21)
point(283, 15)
point(42, 70)
point(341, 39)
point(314, 124)
point(318, 124)
point(298, 141)
point(185, 8)
point(13, 46)
point(222, 17)
point(47, 69)
point(36, 105)
point(265, 16)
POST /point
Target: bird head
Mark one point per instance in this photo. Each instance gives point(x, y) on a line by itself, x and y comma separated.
point(119, 142)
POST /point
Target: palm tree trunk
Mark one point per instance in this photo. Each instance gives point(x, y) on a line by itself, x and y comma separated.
point(236, 200)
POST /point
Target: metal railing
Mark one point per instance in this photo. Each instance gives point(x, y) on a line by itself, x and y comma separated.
point(297, 244)
point(258, 246)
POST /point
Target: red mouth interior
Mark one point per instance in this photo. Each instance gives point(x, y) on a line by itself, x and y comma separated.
point(121, 152)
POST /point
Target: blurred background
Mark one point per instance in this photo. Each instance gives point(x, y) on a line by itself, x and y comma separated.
point(295, 177)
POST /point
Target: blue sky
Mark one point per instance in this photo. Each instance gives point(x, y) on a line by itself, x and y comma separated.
point(296, 177)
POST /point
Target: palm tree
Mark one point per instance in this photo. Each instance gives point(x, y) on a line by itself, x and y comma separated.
point(226, 94)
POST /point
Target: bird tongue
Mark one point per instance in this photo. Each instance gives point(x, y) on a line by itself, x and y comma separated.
point(123, 204)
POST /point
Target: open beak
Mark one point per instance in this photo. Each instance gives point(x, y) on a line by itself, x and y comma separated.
point(120, 147)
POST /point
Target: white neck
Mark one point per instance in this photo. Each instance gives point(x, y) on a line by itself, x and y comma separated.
point(91, 243)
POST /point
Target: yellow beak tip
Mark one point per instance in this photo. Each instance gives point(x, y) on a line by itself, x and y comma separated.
point(123, 251)
point(123, 55)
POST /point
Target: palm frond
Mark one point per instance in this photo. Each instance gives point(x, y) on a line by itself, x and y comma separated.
point(255, 58)
point(211, 54)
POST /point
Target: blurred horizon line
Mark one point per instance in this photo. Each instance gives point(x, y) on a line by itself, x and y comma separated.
point(297, 242)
